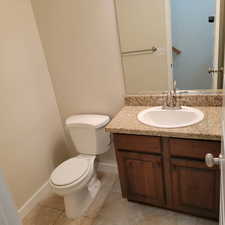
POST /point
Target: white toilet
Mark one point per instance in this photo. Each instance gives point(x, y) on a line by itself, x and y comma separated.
point(75, 179)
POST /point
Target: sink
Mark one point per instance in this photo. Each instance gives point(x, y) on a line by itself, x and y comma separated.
point(170, 118)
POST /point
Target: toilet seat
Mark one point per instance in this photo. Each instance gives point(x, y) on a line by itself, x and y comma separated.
point(71, 171)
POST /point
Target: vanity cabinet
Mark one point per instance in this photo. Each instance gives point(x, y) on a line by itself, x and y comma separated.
point(143, 177)
point(169, 173)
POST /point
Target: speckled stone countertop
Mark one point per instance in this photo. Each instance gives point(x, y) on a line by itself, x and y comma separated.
point(126, 122)
point(206, 99)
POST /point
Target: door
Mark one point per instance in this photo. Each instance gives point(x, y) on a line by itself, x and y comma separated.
point(195, 188)
point(222, 171)
point(143, 177)
point(222, 178)
point(192, 61)
point(191, 33)
point(210, 161)
point(217, 68)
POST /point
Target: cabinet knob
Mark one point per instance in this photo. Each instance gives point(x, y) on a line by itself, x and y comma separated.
point(211, 161)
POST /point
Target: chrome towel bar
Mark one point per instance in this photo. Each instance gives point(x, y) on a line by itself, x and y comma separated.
point(140, 52)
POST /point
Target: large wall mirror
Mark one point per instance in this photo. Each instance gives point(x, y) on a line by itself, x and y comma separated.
point(166, 40)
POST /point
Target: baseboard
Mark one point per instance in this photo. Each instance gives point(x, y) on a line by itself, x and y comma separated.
point(42, 193)
point(107, 167)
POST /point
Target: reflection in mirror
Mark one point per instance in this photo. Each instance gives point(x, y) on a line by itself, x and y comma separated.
point(195, 37)
point(142, 27)
point(171, 39)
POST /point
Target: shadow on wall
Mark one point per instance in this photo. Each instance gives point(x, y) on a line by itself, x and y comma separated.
point(60, 153)
point(72, 151)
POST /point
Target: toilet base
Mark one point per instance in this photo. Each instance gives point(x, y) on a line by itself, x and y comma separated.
point(78, 202)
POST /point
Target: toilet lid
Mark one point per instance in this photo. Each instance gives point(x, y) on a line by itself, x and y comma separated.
point(97, 121)
point(69, 171)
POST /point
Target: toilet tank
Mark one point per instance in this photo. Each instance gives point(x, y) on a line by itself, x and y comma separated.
point(88, 133)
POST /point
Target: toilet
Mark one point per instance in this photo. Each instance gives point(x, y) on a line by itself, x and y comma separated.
point(76, 179)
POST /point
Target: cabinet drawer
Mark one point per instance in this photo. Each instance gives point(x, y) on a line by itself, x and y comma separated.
point(193, 148)
point(137, 143)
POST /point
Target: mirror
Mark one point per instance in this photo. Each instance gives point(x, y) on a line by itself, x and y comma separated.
point(168, 40)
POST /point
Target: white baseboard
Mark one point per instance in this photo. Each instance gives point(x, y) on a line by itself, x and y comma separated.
point(107, 167)
point(42, 193)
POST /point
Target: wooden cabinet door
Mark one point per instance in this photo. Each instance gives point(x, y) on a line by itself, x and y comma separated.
point(195, 188)
point(143, 176)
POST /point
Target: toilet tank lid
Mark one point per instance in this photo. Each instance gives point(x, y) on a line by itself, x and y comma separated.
point(97, 121)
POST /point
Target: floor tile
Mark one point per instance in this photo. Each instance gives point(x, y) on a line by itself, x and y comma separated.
point(159, 220)
point(88, 221)
point(63, 220)
point(42, 216)
point(119, 211)
point(54, 202)
point(201, 221)
point(183, 219)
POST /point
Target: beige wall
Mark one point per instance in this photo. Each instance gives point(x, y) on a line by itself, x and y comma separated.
point(32, 139)
point(81, 45)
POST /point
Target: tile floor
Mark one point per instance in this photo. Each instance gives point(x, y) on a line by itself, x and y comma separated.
point(109, 209)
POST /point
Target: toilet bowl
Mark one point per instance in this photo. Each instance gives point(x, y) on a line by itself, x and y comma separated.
point(76, 179)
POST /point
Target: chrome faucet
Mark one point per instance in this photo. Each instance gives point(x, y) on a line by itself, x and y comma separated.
point(171, 100)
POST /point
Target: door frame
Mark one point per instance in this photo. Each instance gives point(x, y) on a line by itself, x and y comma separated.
point(221, 43)
point(222, 164)
point(216, 53)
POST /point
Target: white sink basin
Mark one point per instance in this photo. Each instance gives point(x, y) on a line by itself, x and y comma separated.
point(170, 118)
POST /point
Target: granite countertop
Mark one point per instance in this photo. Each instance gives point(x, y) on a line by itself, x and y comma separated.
point(126, 122)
